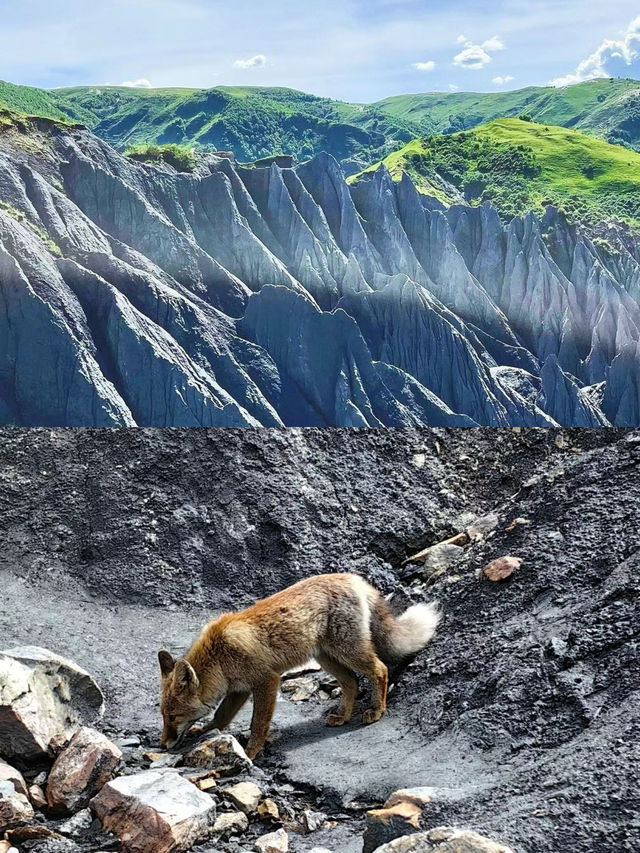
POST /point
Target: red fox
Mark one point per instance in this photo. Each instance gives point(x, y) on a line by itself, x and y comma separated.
point(339, 619)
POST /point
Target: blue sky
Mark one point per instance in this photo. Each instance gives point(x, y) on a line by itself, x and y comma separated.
point(358, 50)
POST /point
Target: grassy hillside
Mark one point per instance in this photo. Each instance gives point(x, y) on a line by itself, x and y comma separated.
point(520, 166)
point(251, 122)
point(256, 122)
point(606, 108)
point(30, 101)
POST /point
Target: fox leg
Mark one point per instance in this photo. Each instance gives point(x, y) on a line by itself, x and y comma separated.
point(348, 684)
point(369, 664)
point(228, 708)
point(264, 703)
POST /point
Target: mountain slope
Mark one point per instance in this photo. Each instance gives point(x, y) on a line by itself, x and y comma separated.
point(599, 107)
point(260, 295)
point(521, 166)
point(254, 122)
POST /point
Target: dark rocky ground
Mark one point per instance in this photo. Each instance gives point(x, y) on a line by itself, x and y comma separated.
point(522, 714)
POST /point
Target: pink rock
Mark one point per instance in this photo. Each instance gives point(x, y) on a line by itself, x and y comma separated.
point(80, 771)
point(37, 797)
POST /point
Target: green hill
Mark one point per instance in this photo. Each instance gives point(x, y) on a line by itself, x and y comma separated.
point(521, 166)
point(601, 107)
point(256, 122)
point(251, 122)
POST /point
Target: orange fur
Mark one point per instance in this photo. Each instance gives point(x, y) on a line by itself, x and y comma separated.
point(339, 619)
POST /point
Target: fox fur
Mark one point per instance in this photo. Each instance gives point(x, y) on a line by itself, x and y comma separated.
point(339, 619)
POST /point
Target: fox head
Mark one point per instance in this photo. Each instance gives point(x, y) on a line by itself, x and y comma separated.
point(180, 703)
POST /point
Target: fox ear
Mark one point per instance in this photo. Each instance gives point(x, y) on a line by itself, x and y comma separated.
point(185, 675)
point(166, 662)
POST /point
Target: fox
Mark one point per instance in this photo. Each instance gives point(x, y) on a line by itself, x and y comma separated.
point(338, 619)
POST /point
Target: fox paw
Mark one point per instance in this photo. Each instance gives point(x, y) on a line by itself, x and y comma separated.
point(371, 716)
point(336, 720)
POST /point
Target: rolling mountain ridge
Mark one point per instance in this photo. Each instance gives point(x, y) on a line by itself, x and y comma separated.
point(255, 122)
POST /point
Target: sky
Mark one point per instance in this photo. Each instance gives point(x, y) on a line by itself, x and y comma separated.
point(354, 50)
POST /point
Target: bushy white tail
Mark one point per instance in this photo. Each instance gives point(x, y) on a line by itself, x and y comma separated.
point(413, 630)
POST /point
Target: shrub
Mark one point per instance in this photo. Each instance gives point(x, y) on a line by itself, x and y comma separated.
point(181, 157)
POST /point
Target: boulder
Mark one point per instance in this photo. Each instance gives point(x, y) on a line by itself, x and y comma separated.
point(42, 697)
point(155, 811)
point(221, 753)
point(383, 825)
point(274, 842)
point(245, 795)
point(80, 770)
point(444, 839)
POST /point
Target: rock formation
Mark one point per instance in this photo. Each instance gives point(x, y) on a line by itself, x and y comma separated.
point(272, 295)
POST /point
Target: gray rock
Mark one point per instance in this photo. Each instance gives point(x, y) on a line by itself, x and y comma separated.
point(134, 295)
point(75, 826)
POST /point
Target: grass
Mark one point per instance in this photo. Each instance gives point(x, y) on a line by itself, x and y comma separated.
point(181, 157)
point(256, 122)
point(20, 216)
point(521, 165)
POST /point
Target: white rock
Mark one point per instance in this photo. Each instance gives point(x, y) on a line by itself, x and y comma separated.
point(155, 811)
point(444, 839)
point(42, 697)
point(274, 842)
point(77, 824)
point(14, 805)
point(231, 823)
point(417, 796)
point(222, 753)
point(245, 795)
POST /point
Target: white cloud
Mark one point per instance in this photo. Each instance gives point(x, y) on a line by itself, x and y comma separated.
point(502, 81)
point(493, 44)
point(424, 66)
point(453, 87)
point(254, 62)
point(140, 83)
point(472, 57)
point(594, 66)
point(476, 56)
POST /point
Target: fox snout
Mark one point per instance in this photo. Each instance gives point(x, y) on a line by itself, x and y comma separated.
point(169, 738)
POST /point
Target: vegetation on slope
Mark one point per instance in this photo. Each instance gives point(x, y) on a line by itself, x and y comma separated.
point(520, 166)
point(251, 122)
point(181, 157)
point(256, 122)
point(30, 101)
point(606, 108)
